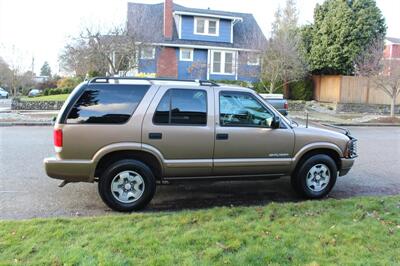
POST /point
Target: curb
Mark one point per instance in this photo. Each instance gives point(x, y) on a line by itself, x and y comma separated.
point(367, 125)
point(10, 124)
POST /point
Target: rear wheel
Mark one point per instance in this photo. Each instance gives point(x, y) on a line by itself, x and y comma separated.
point(316, 177)
point(127, 185)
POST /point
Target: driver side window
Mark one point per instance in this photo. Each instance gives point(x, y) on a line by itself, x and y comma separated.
point(242, 109)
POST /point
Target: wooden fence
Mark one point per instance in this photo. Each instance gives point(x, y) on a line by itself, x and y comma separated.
point(348, 89)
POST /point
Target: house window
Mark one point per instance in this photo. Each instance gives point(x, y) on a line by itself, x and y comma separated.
point(148, 52)
point(212, 27)
point(253, 59)
point(217, 62)
point(223, 62)
point(228, 63)
point(186, 54)
point(205, 26)
point(200, 23)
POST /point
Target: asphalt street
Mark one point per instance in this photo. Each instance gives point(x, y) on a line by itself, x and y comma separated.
point(26, 191)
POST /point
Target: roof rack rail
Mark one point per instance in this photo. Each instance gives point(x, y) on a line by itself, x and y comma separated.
point(107, 79)
point(208, 83)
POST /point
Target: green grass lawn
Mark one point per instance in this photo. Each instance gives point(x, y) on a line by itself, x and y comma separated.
point(58, 97)
point(358, 231)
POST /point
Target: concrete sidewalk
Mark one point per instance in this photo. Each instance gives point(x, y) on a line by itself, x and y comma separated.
point(9, 118)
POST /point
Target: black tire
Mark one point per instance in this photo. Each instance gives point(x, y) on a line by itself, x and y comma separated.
point(114, 169)
point(299, 178)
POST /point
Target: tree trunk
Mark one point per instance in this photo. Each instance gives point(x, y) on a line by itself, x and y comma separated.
point(271, 88)
point(393, 105)
point(286, 91)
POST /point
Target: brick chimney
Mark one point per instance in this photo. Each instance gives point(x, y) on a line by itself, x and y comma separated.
point(168, 19)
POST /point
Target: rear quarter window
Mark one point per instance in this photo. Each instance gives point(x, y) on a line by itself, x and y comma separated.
point(106, 104)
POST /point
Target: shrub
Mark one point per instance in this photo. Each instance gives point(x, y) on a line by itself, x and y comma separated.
point(69, 82)
point(47, 84)
point(259, 87)
point(302, 90)
point(94, 73)
point(56, 91)
point(234, 82)
point(67, 90)
point(145, 75)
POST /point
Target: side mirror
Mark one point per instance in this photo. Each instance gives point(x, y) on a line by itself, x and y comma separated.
point(276, 122)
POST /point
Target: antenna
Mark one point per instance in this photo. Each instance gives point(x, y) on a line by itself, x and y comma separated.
point(306, 118)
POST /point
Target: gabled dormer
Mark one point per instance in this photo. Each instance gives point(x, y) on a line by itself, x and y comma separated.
point(205, 27)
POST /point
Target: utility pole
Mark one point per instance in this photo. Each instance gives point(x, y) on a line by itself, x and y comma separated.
point(33, 65)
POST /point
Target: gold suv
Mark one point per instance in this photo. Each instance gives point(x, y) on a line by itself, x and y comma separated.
point(130, 134)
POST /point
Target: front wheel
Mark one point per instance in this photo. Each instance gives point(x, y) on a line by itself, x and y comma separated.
point(127, 185)
point(316, 177)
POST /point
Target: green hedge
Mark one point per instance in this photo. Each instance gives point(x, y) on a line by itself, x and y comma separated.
point(301, 90)
point(57, 91)
point(257, 86)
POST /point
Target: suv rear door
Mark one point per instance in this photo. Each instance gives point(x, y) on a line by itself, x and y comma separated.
point(180, 125)
point(245, 143)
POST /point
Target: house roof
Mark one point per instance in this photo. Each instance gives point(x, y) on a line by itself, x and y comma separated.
point(146, 22)
point(393, 40)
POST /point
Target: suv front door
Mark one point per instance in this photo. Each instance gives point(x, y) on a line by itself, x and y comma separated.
point(245, 143)
point(180, 125)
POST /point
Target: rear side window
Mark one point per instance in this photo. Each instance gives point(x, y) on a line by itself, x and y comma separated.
point(182, 107)
point(106, 104)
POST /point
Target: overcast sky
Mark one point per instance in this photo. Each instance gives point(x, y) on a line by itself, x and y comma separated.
point(40, 28)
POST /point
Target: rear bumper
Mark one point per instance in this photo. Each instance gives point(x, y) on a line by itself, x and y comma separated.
point(69, 170)
point(346, 165)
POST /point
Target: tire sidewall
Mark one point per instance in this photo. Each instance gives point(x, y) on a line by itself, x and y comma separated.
point(303, 171)
point(118, 167)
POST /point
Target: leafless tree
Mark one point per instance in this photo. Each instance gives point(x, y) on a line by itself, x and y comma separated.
point(197, 69)
point(389, 81)
point(369, 63)
point(282, 62)
point(13, 77)
point(77, 57)
point(383, 73)
point(114, 52)
point(116, 47)
point(5, 73)
point(113, 49)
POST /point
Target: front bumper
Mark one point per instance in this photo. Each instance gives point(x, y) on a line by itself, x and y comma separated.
point(346, 164)
point(69, 170)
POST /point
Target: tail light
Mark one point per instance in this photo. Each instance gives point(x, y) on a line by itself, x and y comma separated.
point(285, 105)
point(58, 139)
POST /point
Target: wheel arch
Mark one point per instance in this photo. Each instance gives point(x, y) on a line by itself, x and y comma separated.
point(330, 150)
point(113, 153)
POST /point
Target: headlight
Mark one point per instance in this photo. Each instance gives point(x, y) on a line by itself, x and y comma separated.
point(351, 148)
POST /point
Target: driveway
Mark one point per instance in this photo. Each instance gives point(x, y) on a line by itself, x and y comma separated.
point(26, 191)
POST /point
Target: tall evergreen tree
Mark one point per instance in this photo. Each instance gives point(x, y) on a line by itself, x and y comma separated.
point(282, 60)
point(342, 30)
point(45, 70)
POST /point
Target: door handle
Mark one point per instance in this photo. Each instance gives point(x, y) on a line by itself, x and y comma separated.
point(155, 135)
point(222, 136)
